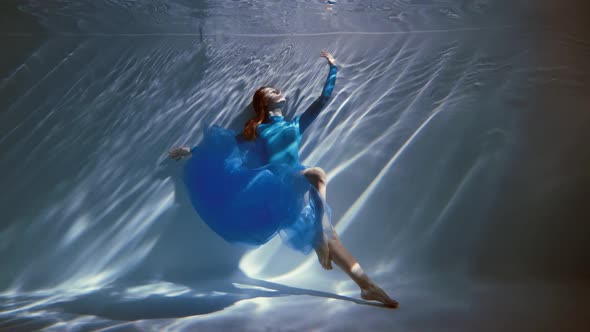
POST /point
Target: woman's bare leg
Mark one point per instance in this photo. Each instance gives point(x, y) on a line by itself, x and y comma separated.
point(345, 261)
point(340, 255)
point(317, 177)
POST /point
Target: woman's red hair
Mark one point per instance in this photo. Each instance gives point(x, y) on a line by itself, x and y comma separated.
point(261, 115)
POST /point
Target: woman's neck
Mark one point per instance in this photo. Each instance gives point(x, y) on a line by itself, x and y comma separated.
point(275, 112)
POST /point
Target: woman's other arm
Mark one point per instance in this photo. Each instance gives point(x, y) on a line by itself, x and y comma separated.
point(316, 107)
point(178, 153)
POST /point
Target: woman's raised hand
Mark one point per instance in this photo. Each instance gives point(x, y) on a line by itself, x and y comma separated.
point(178, 153)
point(328, 56)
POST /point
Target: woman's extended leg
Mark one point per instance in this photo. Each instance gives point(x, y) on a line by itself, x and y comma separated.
point(317, 177)
point(340, 255)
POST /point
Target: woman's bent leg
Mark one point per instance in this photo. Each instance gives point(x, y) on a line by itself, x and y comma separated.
point(317, 177)
point(347, 263)
point(338, 253)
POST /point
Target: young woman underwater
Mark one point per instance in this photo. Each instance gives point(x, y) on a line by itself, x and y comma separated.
point(251, 186)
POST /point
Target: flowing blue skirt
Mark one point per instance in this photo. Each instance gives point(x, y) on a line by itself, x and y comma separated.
point(249, 203)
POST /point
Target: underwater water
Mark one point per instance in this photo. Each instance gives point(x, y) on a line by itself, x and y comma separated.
point(455, 145)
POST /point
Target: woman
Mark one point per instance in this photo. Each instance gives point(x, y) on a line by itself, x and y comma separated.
point(250, 187)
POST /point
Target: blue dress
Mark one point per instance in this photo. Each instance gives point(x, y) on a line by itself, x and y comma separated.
point(248, 191)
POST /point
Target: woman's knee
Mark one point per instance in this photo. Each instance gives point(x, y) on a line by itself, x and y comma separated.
point(317, 176)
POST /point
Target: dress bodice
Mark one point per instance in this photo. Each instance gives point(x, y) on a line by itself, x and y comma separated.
point(281, 139)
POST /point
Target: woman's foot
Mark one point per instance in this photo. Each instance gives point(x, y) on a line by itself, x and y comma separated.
point(373, 292)
point(323, 252)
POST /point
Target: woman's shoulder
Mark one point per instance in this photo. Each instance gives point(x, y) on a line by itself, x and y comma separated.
point(261, 127)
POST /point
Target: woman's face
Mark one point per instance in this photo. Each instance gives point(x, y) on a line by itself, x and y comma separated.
point(273, 98)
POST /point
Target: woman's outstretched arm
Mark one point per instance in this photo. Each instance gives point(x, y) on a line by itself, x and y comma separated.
point(179, 153)
point(316, 107)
